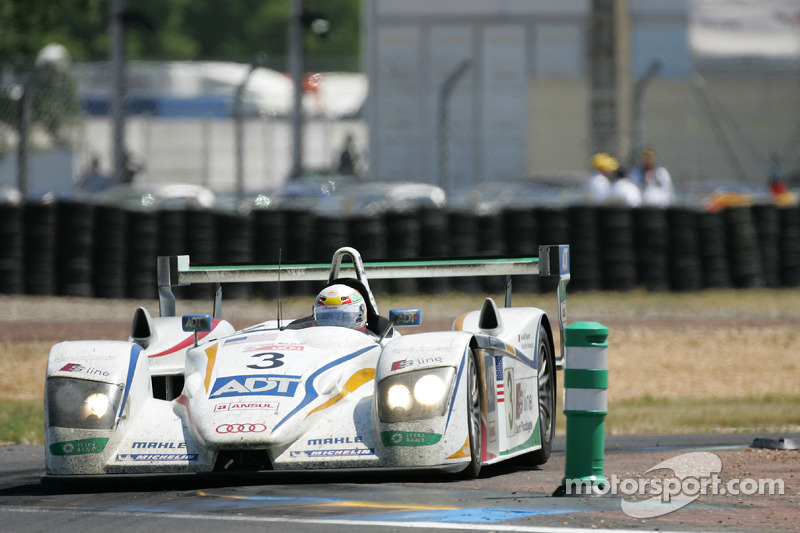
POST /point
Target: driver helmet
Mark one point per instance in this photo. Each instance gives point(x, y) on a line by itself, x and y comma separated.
point(340, 305)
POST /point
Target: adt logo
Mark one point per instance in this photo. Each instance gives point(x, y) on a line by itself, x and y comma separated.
point(254, 385)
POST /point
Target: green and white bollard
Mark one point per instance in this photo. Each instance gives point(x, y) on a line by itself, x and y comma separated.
point(585, 406)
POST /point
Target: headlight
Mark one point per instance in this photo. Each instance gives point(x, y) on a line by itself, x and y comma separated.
point(415, 395)
point(83, 404)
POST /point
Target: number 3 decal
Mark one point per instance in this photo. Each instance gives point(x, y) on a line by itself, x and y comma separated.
point(267, 360)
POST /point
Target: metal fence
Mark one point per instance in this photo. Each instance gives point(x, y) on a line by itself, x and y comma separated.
point(728, 123)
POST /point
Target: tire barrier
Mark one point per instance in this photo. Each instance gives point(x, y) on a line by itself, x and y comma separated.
point(300, 243)
point(39, 230)
point(789, 246)
point(201, 245)
point(368, 236)
point(269, 247)
point(434, 243)
point(584, 240)
point(618, 264)
point(491, 244)
point(521, 235)
point(74, 241)
point(767, 226)
point(12, 280)
point(713, 250)
point(330, 234)
point(110, 259)
point(744, 258)
point(142, 231)
point(403, 242)
point(685, 272)
point(463, 235)
point(651, 243)
point(235, 245)
point(108, 252)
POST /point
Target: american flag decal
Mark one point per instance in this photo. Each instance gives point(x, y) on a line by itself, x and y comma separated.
point(498, 369)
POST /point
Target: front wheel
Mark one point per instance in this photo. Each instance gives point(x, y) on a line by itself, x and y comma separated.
point(547, 396)
point(473, 420)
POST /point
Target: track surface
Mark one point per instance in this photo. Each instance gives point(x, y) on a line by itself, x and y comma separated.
point(507, 497)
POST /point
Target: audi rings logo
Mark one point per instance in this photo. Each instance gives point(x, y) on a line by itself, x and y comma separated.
point(241, 428)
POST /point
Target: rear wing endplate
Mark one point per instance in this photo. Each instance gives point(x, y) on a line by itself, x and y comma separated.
point(553, 261)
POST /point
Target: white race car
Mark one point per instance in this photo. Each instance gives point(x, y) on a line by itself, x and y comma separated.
point(190, 394)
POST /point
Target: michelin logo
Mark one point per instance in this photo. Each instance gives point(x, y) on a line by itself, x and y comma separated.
point(157, 457)
point(333, 453)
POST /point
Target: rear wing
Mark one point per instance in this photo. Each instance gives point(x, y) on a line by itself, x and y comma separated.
point(553, 261)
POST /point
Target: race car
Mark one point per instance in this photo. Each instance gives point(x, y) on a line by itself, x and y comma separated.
point(190, 394)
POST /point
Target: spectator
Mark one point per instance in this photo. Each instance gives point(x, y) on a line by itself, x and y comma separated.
point(130, 168)
point(348, 160)
point(623, 191)
point(598, 184)
point(93, 180)
point(653, 180)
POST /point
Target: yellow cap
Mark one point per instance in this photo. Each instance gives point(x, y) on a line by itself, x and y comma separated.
point(604, 162)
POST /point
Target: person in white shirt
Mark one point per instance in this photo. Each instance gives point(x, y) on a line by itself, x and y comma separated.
point(599, 183)
point(653, 180)
point(623, 191)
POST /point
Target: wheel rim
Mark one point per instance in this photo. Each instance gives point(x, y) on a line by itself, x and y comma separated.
point(474, 413)
point(546, 395)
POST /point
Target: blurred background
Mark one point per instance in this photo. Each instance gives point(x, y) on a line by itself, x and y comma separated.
point(453, 93)
point(286, 114)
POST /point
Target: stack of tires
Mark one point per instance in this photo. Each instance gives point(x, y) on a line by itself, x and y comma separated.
point(110, 255)
point(521, 234)
point(685, 272)
point(651, 242)
point(39, 229)
point(12, 279)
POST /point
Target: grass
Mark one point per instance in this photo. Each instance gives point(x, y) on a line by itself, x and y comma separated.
point(21, 422)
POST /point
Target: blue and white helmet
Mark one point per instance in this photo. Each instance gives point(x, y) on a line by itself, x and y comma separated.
point(340, 305)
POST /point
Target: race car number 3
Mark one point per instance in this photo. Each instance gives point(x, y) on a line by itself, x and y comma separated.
point(267, 360)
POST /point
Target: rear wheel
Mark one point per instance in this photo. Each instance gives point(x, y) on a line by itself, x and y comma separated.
point(547, 396)
point(473, 420)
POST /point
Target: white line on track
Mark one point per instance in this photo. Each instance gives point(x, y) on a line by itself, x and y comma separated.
point(366, 523)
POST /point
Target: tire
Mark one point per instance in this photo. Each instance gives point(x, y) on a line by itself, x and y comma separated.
point(547, 397)
point(473, 421)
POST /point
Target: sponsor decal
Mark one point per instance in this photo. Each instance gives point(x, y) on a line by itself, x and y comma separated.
point(335, 440)
point(267, 385)
point(510, 413)
point(280, 347)
point(159, 445)
point(520, 401)
point(82, 369)
point(241, 428)
point(266, 360)
point(333, 453)
point(239, 406)
point(399, 365)
point(79, 447)
point(409, 438)
point(156, 457)
point(257, 337)
point(523, 401)
point(498, 369)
